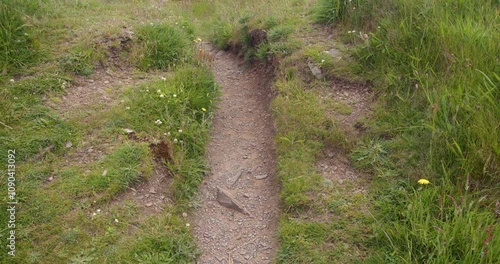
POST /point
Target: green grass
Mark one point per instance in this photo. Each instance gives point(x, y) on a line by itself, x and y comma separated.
point(178, 110)
point(432, 64)
point(81, 60)
point(17, 45)
point(29, 126)
point(69, 209)
point(162, 46)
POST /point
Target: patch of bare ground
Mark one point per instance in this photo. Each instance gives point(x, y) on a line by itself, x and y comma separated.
point(93, 93)
point(335, 166)
point(84, 100)
point(150, 196)
point(242, 159)
point(358, 97)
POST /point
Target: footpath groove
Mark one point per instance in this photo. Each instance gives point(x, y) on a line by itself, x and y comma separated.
point(242, 159)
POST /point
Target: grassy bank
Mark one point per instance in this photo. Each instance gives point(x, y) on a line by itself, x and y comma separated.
point(77, 168)
point(437, 118)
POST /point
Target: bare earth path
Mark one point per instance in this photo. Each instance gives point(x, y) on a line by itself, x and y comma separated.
point(242, 160)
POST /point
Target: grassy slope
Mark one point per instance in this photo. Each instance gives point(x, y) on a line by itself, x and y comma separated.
point(69, 218)
point(432, 81)
point(437, 118)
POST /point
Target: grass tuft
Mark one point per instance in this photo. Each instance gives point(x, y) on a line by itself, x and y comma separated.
point(162, 46)
point(17, 46)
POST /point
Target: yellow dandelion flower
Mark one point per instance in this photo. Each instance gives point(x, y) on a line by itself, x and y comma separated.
point(203, 109)
point(424, 181)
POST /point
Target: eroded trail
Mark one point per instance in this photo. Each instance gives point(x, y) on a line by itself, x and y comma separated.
point(242, 159)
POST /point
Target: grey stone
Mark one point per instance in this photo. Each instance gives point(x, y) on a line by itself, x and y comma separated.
point(226, 199)
point(315, 70)
point(334, 53)
point(261, 176)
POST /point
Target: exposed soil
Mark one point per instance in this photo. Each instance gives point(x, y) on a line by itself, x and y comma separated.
point(358, 96)
point(335, 166)
point(242, 158)
point(150, 196)
point(90, 95)
point(94, 93)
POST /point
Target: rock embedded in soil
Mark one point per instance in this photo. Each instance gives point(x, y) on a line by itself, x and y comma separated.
point(261, 176)
point(226, 199)
point(315, 70)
